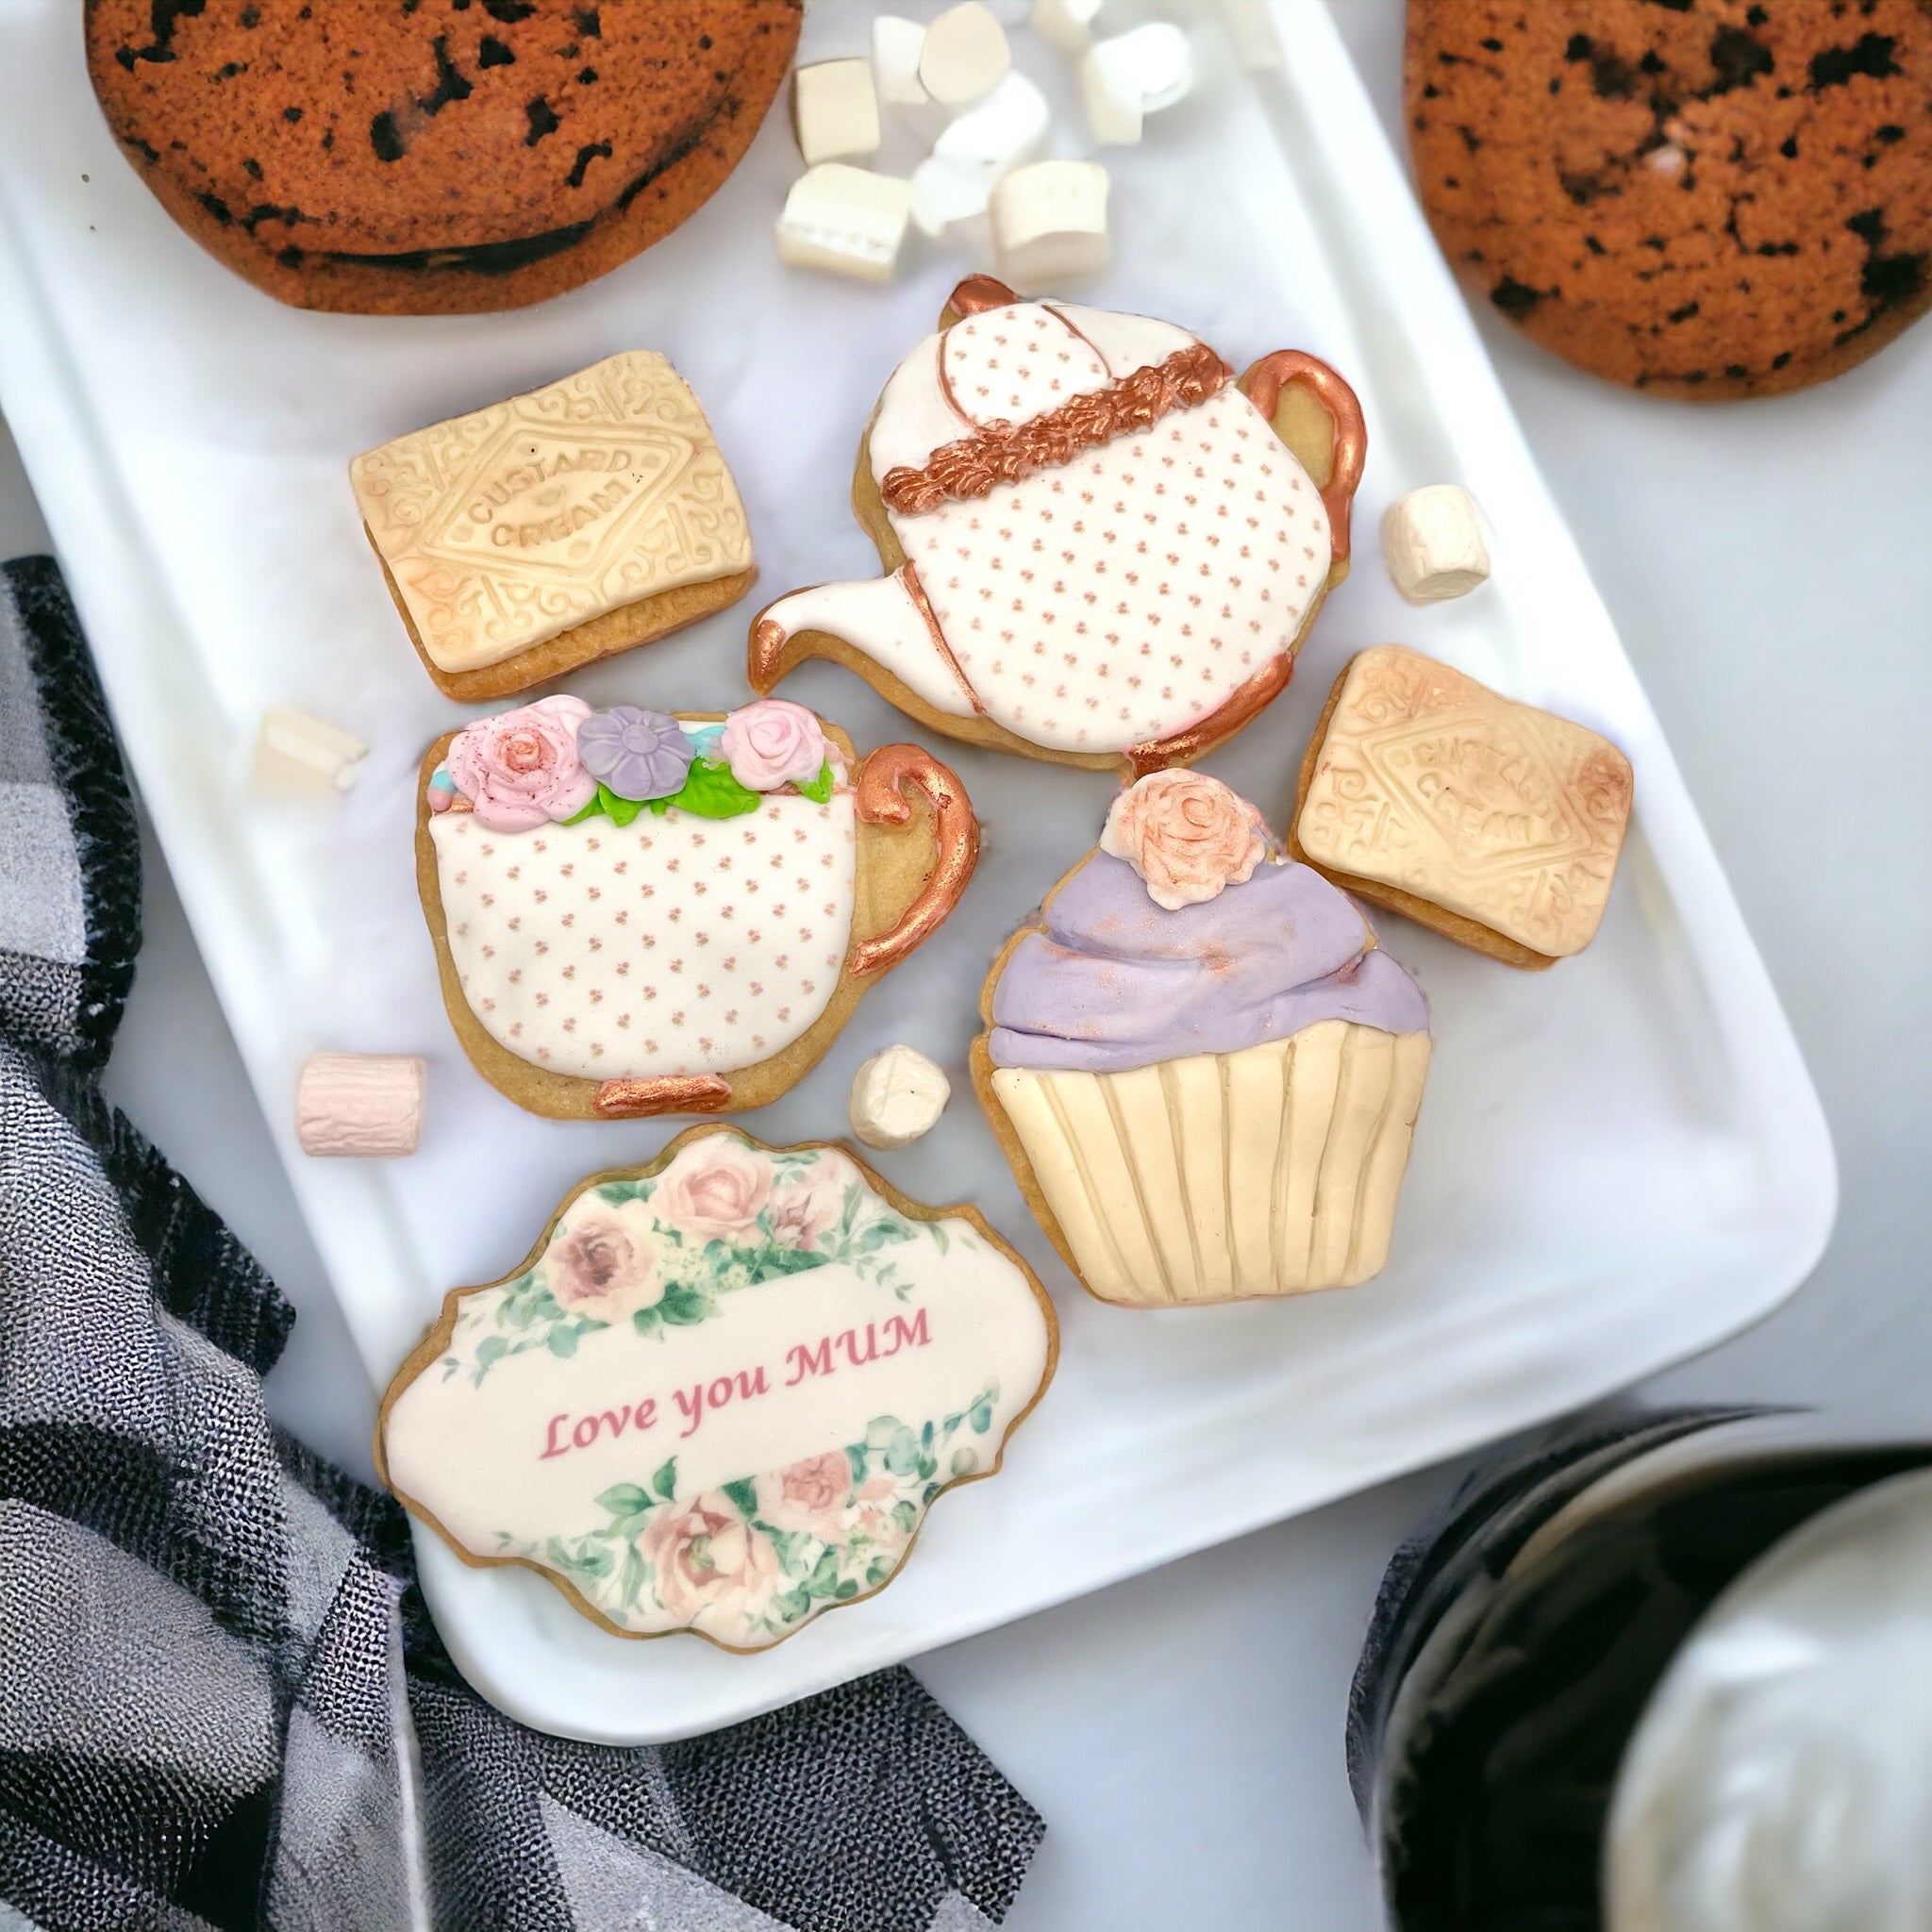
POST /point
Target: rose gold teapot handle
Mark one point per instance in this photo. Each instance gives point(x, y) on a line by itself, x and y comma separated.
point(879, 794)
point(1349, 436)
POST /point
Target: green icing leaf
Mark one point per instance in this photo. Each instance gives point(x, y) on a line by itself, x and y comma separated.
point(590, 811)
point(563, 1341)
point(981, 1419)
point(745, 1492)
point(665, 1481)
point(622, 810)
point(821, 788)
point(491, 1348)
point(711, 791)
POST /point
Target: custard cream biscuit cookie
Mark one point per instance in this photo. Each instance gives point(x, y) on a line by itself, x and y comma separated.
point(1101, 549)
point(1202, 1067)
point(722, 1392)
point(636, 912)
point(1492, 822)
point(531, 537)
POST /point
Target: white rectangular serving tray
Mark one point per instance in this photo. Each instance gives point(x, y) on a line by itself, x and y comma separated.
point(1619, 1162)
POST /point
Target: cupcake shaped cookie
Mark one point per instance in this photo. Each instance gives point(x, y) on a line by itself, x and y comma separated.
point(1202, 1067)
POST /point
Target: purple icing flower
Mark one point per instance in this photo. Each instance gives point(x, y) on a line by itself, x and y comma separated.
point(639, 755)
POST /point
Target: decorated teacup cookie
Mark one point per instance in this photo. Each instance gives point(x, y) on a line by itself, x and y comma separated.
point(1101, 548)
point(1494, 822)
point(639, 913)
point(540, 534)
point(722, 1392)
point(1203, 1069)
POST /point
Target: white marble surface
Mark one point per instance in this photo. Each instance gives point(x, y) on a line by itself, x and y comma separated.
point(1182, 1733)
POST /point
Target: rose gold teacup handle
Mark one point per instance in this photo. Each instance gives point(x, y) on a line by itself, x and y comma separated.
point(879, 795)
point(1264, 383)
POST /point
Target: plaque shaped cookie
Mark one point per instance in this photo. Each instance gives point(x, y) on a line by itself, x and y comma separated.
point(1495, 823)
point(636, 913)
point(535, 536)
point(1201, 1066)
point(722, 1392)
point(1101, 549)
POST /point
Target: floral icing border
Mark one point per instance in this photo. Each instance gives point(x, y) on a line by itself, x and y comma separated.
point(763, 1554)
point(657, 1253)
point(556, 761)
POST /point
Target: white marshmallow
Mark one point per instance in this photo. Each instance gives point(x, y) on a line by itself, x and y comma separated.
point(1433, 540)
point(1008, 128)
point(896, 49)
point(847, 220)
point(1252, 32)
point(295, 753)
point(897, 1096)
point(1067, 24)
point(964, 55)
point(1134, 75)
point(835, 111)
point(944, 198)
point(1049, 223)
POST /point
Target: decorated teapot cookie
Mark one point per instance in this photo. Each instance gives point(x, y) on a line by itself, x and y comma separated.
point(722, 1392)
point(636, 913)
point(1101, 548)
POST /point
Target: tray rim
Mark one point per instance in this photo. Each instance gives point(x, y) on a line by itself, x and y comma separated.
point(137, 628)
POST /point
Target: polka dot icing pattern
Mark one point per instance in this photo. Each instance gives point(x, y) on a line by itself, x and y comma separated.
point(1130, 593)
point(676, 944)
point(722, 1393)
point(1012, 364)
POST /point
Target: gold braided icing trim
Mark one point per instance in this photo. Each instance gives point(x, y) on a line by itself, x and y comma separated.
point(1004, 452)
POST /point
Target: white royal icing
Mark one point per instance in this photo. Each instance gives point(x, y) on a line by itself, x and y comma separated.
point(723, 1398)
point(677, 945)
point(1109, 600)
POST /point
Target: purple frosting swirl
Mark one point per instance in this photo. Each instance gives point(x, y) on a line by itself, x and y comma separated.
point(1115, 982)
point(640, 754)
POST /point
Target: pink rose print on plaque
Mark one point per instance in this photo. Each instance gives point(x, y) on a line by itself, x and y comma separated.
point(807, 1495)
point(606, 1263)
point(806, 1208)
point(715, 1186)
point(521, 768)
point(709, 1558)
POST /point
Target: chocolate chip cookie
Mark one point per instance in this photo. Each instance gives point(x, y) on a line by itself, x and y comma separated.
point(433, 156)
point(1698, 197)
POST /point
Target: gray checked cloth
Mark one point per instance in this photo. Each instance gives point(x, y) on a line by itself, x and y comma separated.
point(221, 1702)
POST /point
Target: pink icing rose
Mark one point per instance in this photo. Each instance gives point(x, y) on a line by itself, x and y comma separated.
point(604, 1263)
point(706, 1558)
point(774, 742)
point(521, 768)
point(807, 1207)
point(808, 1495)
point(717, 1186)
point(1186, 835)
